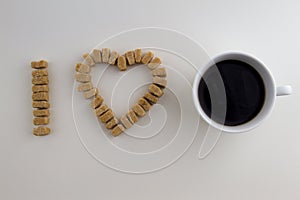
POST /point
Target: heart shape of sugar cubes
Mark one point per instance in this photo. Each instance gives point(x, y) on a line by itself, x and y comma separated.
point(130, 58)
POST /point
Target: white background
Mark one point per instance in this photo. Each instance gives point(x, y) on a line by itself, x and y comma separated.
point(261, 164)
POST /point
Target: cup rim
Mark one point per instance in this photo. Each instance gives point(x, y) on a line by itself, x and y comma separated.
point(265, 110)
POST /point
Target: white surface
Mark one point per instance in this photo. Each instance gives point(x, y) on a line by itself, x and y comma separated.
point(261, 164)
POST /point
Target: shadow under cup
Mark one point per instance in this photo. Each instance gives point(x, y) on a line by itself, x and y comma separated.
point(234, 92)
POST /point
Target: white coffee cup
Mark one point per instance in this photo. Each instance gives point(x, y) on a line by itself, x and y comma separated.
point(271, 91)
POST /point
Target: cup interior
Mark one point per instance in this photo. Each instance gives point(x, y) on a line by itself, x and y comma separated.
point(268, 82)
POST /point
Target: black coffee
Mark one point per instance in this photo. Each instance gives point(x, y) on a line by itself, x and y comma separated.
point(234, 85)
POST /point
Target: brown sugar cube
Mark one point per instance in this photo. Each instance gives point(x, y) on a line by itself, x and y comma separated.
point(40, 88)
point(151, 98)
point(117, 130)
point(40, 104)
point(130, 57)
point(154, 63)
point(40, 80)
point(89, 60)
point(132, 116)
point(153, 89)
point(83, 68)
point(41, 113)
point(41, 131)
point(96, 55)
point(91, 93)
point(105, 55)
point(122, 63)
point(138, 110)
point(40, 96)
point(112, 123)
point(105, 117)
point(39, 64)
point(96, 102)
point(83, 78)
point(159, 72)
point(113, 57)
point(147, 57)
point(138, 55)
point(77, 66)
point(40, 120)
point(160, 81)
point(40, 72)
point(125, 121)
point(145, 104)
point(100, 110)
point(85, 86)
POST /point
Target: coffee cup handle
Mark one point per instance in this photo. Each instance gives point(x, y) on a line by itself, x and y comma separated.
point(284, 90)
